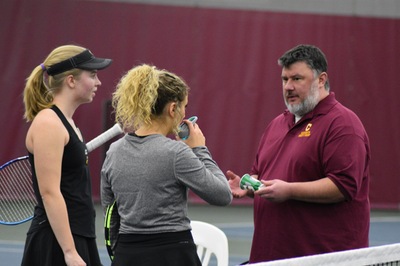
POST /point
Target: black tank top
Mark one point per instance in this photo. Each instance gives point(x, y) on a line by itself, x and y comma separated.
point(76, 186)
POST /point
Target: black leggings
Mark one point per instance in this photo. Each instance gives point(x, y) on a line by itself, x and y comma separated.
point(174, 249)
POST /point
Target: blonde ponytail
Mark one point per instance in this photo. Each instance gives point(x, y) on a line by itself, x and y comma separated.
point(40, 88)
point(36, 95)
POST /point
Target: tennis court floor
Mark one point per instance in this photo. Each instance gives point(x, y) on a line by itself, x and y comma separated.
point(235, 221)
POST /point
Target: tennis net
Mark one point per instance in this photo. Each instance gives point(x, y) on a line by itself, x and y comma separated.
point(386, 255)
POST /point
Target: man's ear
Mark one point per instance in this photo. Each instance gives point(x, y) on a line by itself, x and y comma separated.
point(323, 77)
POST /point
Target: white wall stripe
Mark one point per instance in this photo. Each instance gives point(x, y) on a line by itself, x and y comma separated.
point(362, 8)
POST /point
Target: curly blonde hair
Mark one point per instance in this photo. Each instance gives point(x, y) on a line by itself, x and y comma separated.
point(143, 92)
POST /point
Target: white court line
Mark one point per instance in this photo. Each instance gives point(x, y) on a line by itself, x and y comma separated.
point(11, 250)
point(233, 225)
point(12, 242)
point(246, 225)
point(385, 219)
point(5, 246)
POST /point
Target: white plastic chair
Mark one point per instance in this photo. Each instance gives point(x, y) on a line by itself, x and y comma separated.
point(210, 240)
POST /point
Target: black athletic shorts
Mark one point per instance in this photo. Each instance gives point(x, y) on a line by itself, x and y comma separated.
point(167, 249)
point(42, 249)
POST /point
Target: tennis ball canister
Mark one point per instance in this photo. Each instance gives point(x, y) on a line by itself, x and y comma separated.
point(247, 182)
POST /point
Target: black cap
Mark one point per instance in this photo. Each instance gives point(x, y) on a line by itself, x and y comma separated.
point(85, 60)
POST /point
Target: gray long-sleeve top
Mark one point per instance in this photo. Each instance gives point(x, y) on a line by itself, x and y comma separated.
point(149, 178)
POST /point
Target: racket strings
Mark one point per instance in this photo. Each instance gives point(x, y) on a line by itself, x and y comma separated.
point(17, 198)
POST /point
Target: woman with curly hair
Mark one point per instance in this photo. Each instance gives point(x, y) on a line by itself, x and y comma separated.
point(148, 174)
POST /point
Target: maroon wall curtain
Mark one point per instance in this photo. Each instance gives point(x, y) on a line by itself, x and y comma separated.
point(229, 59)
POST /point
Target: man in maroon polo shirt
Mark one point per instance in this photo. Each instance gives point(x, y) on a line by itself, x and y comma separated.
point(313, 161)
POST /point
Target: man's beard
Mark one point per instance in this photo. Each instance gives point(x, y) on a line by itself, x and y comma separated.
point(307, 105)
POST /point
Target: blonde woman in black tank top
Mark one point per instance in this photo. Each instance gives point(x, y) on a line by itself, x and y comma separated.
point(62, 230)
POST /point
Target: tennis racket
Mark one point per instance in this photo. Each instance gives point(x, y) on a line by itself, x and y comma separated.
point(17, 198)
point(111, 228)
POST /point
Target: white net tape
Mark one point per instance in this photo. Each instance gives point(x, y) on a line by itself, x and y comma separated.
point(380, 255)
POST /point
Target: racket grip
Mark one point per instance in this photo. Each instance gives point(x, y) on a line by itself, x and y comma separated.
point(104, 137)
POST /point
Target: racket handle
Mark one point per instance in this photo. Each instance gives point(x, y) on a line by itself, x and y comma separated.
point(104, 137)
